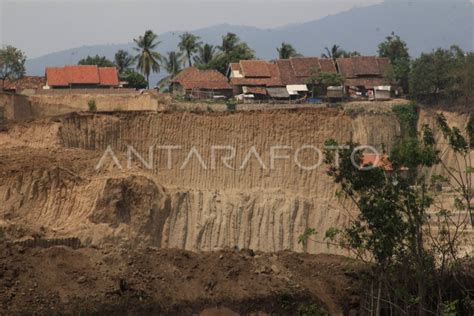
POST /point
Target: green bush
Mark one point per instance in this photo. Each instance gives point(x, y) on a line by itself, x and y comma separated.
point(231, 106)
point(92, 105)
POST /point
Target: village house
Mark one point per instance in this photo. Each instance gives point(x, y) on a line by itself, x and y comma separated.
point(201, 84)
point(295, 73)
point(278, 80)
point(364, 76)
point(25, 85)
point(81, 77)
point(252, 78)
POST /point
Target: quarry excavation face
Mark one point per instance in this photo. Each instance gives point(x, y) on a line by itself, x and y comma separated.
point(209, 204)
point(275, 153)
point(250, 179)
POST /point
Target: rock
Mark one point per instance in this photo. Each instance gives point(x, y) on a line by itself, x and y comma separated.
point(82, 280)
point(275, 269)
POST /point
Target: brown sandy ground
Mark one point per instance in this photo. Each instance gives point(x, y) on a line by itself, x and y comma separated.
point(61, 280)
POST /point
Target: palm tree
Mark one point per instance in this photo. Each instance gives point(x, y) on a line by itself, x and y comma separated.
point(205, 55)
point(172, 64)
point(123, 61)
point(189, 45)
point(229, 42)
point(337, 52)
point(333, 53)
point(148, 59)
point(286, 51)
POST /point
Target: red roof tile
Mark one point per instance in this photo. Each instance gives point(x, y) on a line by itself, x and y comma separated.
point(57, 77)
point(82, 74)
point(108, 76)
point(26, 82)
point(193, 78)
point(235, 67)
point(302, 65)
point(354, 67)
point(255, 90)
point(255, 68)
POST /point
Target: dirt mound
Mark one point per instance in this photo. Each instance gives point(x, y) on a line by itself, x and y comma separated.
point(150, 280)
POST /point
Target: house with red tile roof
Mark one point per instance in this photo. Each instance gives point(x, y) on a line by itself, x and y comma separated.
point(201, 84)
point(362, 74)
point(81, 76)
point(270, 79)
point(24, 85)
point(253, 77)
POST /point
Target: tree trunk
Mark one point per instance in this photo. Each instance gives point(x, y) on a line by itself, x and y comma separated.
point(379, 295)
point(189, 60)
point(148, 81)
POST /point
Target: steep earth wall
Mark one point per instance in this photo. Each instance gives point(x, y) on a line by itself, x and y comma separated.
point(191, 207)
point(49, 181)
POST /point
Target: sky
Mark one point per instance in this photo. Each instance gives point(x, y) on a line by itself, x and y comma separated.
point(39, 27)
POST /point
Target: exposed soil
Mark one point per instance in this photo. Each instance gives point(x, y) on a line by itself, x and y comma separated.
point(150, 280)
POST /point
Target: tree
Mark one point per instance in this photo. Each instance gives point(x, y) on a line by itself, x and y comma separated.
point(135, 80)
point(205, 56)
point(172, 64)
point(148, 59)
point(189, 45)
point(12, 64)
point(286, 51)
point(440, 75)
point(416, 268)
point(124, 62)
point(337, 52)
point(323, 80)
point(100, 61)
point(232, 50)
point(396, 51)
point(229, 42)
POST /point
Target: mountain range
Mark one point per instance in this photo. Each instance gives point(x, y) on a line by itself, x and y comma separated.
point(424, 25)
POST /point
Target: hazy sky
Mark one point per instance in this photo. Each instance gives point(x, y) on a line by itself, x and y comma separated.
point(39, 27)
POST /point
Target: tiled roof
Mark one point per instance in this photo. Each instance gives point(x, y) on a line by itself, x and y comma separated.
point(57, 77)
point(81, 74)
point(255, 90)
point(108, 76)
point(354, 67)
point(235, 67)
point(26, 82)
point(287, 75)
point(255, 68)
point(302, 65)
point(379, 160)
point(193, 78)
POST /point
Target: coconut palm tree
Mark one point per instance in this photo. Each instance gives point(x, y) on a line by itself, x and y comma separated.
point(148, 59)
point(123, 61)
point(229, 42)
point(337, 52)
point(172, 63)
point(286, 51)
point(189, 45)
point(205, 55)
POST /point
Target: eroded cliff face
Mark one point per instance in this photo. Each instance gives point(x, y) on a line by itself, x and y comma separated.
point(51, 187)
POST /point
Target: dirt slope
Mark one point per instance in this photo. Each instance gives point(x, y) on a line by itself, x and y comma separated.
point(151, 280)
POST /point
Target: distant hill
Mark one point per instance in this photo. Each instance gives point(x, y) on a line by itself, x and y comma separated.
point(424, 25)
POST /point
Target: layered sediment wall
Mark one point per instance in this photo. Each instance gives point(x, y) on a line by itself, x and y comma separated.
point(192, 201)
